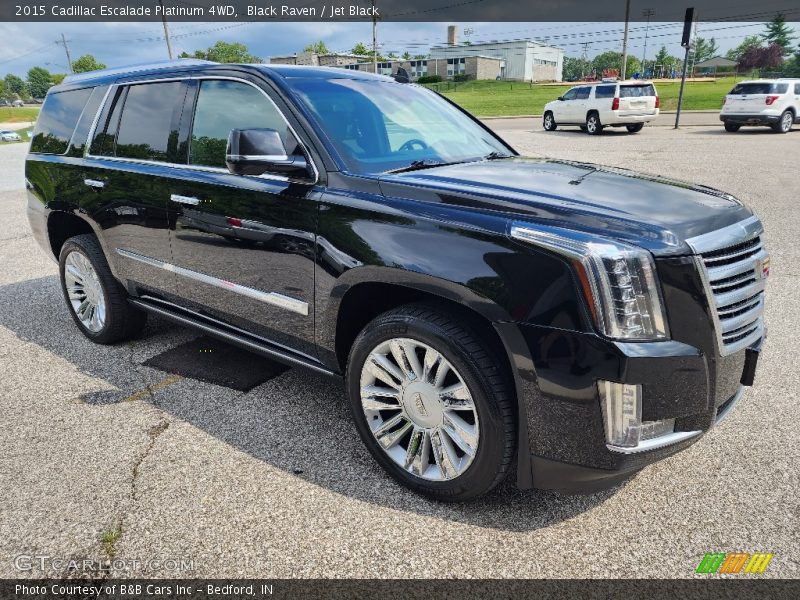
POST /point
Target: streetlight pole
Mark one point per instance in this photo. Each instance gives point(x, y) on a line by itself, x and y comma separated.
point(647, 12)
point(166, 30)
point(625, 39)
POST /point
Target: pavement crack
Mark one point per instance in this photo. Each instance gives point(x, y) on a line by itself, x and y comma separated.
point(153, 434)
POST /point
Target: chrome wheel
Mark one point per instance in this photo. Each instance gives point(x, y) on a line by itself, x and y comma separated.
point(786, 121)
point(548, 121)
point(419, 409)
point(591, 124)
point(85, 292)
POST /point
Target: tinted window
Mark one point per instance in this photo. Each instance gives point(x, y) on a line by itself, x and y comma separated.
point(106, 136)
point(570, 95)
point(797, 88)
point(86, 120)
point(605, 91)
point(145, 128)
point(582, 93)
point(60, 114)
point(636, 91)
point(225, 105)
point(760, 88)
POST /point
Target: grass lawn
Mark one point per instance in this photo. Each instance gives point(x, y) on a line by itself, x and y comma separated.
point(505, 98)
point(9, 114)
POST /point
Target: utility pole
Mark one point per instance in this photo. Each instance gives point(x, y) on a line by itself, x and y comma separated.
point(63, 42)
point(686, 42)
point(374, 39)
point(647, 12)
point(625, 40)
point(584, 58)
point(166, 29)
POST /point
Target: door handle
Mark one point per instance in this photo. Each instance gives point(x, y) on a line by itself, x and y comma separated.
point(94, 183)
point(190, 200)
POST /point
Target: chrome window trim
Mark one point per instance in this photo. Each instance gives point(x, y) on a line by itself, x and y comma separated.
point(267, 176)
point(273, 298)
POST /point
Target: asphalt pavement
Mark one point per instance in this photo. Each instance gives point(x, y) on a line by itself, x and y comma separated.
point(102, 455)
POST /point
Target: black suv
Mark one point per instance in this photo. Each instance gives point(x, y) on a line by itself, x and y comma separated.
point(488, 313)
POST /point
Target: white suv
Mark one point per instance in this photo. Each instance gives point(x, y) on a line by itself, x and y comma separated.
point(773, 102)
point(594, 106)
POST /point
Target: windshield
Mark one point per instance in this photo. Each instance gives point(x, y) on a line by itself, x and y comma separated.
point(379, 126)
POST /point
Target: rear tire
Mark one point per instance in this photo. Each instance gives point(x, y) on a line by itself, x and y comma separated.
point(96, 300)
point(593, 125)
point(784, 125)
point(732, 127)
point(451, 450)
point(549, 122)
point(634, 128)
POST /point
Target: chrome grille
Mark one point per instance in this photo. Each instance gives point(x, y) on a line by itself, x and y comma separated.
point(731, 262)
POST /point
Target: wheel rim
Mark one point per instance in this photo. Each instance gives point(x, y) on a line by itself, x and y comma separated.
point(419, 410)
point(85, 292)
point(591, 124)
point(787, 121)
point(548, 122)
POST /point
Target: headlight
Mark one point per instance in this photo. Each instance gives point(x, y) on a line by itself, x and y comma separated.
point(618, 280)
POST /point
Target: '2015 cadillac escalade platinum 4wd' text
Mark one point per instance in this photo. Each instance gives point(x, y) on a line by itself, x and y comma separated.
point(489, 314)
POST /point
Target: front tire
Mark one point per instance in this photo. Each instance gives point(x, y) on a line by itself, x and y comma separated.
point(732, 127)
point(96, 300)
point(784, 125)
point(593, 125)
point(432, 403)
point(549, 122)
point(634, 128)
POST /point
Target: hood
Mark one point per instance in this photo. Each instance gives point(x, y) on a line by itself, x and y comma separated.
point(650, 211)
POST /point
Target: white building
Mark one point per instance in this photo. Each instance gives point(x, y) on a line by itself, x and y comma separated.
point(525, 60)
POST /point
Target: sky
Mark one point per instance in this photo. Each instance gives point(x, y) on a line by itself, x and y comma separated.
point(25, 45)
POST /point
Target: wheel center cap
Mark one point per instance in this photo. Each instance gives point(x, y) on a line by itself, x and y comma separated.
point(422, 405)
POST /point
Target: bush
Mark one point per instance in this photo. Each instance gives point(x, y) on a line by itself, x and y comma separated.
point(429, 79)
point(460, 77)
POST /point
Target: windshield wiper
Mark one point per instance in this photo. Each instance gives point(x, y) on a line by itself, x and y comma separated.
point(417, 165)
point(496, 156)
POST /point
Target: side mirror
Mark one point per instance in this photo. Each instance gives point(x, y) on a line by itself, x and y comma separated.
point(561, 98)
point(258, 151)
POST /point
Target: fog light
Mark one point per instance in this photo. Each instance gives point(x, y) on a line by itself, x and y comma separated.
point(622, 412)
point(622, 416)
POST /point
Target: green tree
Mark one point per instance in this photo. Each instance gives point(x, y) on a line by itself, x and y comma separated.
point(360, 49)
point(39, 81)
point(15, 86)
point(86, 63)
point(778, 32)
point(613, 60)
point(406, 55)
point(4, 92)
point(748, 43)
point(58, 78)
point(704, 49)
point(576, 68)
point(317, 48)
point(392, 55)
point(793, 65)
point(224, 52)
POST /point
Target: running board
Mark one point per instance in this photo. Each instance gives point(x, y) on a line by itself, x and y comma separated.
point(220, 331)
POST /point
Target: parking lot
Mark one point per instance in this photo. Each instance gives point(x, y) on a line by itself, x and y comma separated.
point(101, 455)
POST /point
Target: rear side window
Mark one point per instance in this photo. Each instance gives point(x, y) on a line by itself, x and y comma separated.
point(60, 114)
point(637, 91)
point(223, 105)
point(760, 88)
point(146, 125)
point(605, 91)
point(797, 88)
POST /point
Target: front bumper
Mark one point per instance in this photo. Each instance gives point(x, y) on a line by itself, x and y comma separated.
point(566, 437)
point(753, 119)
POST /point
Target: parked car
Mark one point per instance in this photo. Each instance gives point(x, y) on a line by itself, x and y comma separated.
point(9, 136)
point(771, 102)
point(17, 104)
point(487, 314)
point(594, 106)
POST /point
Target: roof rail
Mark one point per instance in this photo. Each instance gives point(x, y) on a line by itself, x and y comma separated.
point(163, 64)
